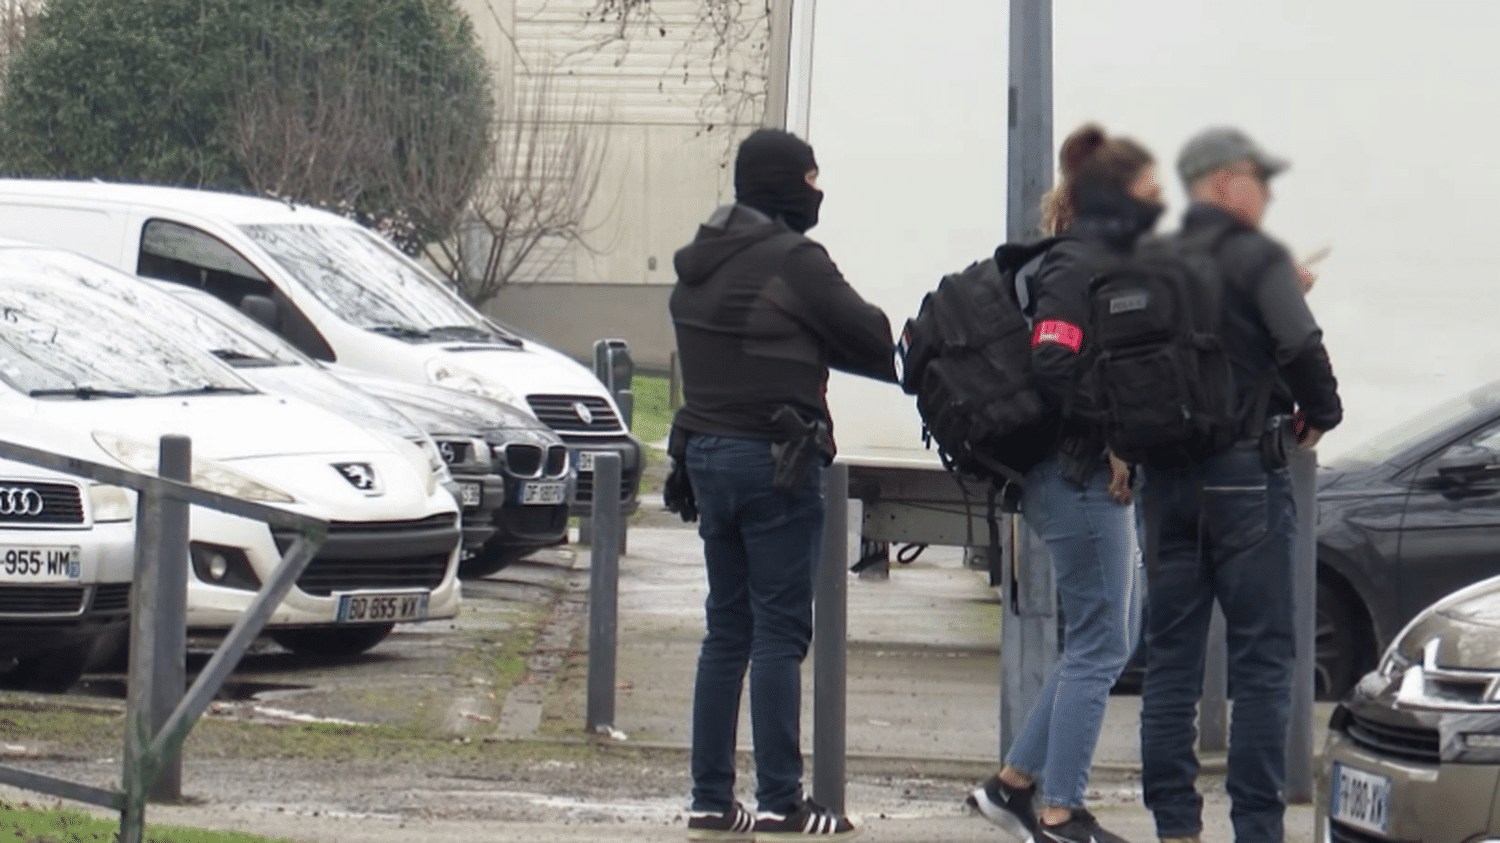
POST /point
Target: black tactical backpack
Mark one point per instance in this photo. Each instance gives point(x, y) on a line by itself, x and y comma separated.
point(1164, 382)
point(966, 356)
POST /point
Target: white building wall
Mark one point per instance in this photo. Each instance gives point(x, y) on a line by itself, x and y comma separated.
point(669, 138)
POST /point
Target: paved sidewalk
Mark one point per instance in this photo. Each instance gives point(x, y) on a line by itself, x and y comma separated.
point(922, 698)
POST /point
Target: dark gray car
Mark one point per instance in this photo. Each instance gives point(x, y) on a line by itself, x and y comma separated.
point(538, 478)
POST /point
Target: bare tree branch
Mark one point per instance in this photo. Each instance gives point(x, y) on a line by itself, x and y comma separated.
point(548, 160)
point(737, 35)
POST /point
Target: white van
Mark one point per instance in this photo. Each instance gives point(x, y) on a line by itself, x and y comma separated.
point(333, 288)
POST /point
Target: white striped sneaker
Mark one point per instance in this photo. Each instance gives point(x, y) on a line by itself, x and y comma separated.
point(807, 821)
point(737, 823)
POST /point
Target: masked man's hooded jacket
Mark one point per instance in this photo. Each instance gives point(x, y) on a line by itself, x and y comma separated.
point(760, 310)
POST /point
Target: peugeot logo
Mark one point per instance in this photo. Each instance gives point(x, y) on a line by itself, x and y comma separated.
point(19, 500)
point(361, 475)
point(583, 411)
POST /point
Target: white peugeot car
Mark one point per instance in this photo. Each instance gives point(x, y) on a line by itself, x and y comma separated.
point(84, 377)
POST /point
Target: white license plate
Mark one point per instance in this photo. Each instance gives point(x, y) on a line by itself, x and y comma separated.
point(586, 459)
point(540, 492)
point(470, 494)
point(387, 607)
point(1361, 799)
point(40, 564)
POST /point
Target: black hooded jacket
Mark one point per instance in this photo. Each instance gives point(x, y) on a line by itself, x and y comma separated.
point(761, 314)
point(1107, 226)
point(1268, 329)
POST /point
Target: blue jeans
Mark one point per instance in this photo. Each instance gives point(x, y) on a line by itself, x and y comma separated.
point(1224, 531)
point(1092, 542)
point(760, 547)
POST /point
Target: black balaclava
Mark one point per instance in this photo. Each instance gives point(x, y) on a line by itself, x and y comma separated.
point(770, 175)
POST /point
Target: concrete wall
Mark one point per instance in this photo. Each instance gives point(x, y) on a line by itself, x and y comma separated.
point(569, 317)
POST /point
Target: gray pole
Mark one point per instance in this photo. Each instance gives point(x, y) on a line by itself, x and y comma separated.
point(175, 463)
point(1030, 107)
point(1299, 762)
point(604, 579)
point(830, 641)
point(145, 589)
point(1028, 621)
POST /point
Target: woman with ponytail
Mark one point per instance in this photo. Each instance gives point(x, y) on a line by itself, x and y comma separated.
point(1078, 499)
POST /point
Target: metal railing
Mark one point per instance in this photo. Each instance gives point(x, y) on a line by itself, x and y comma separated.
point(158, 714)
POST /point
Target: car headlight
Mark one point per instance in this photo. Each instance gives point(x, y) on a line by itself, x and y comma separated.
point(424, 460)
point(1393, 664)
point(110, 503)
point(442, 373)
point(208, 475)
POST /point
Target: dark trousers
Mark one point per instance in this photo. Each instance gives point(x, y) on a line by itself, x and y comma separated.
point(1223, 530)
point(760, 548)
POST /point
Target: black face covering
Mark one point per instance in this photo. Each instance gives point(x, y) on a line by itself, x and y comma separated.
point(770, 175)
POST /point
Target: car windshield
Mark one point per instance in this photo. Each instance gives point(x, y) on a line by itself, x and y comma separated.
point(370, 284)
point(70, 342)
point(1388, 445)
point(211, 323)
point(287, 371)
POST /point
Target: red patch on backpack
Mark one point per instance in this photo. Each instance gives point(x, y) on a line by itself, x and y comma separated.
point(1058, 331)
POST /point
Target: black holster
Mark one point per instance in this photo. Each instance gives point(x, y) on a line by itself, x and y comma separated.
point(1078, 458)
point(1277, 438)
point(794, 453)
point(677, 491)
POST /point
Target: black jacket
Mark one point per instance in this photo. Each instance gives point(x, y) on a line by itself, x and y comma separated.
point(1062, 353)
point(761, 314)
point(1268, 328)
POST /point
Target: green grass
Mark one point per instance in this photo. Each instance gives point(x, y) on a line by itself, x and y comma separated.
point(27, 823)
point(653, 410)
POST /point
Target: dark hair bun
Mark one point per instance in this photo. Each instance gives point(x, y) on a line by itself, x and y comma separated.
point(1080, 146)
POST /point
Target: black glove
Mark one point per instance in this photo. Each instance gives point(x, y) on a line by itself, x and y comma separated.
point(677, 493)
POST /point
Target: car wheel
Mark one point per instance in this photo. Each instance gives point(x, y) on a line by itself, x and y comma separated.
point(492, 557)
point(1340, 645)
point(331, 641)
point(52, 672)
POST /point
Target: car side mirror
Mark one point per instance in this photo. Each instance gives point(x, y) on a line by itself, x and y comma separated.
point(1467, 467)
point(263, 310)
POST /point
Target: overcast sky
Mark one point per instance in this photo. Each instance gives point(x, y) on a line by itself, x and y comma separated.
point(1387, 111)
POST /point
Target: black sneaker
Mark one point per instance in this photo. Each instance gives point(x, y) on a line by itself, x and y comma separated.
point(1006, 806)
point(1080, 828)
point(807, 821)
point(734, 824)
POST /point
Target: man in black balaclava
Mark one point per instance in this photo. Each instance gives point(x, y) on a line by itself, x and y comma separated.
point(774, 174)
point(761, 315)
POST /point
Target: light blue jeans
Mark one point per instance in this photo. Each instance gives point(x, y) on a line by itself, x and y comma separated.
point(1092, 542)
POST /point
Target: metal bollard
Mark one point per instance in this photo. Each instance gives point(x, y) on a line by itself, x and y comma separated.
point(175, 463)
point(830, 644)
point(1299, 734)
point(604, 580)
